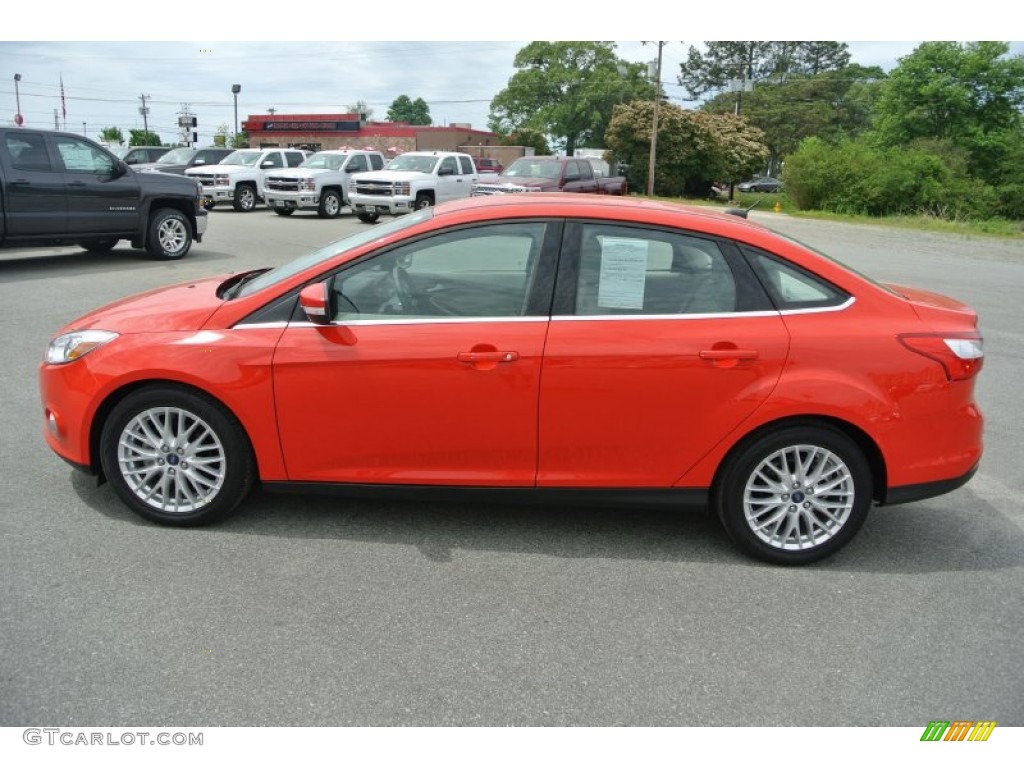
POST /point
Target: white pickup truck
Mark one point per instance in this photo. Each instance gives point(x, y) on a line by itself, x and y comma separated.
point(238, 178)
point(412, 181)
point(320, 184)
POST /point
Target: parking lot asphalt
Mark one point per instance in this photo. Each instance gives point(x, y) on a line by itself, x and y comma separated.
point(314, 611)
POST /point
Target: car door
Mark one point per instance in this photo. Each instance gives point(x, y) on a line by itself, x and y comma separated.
point(429, 371)
point(101, 197)
point(34, 195)
point(662, 344)
point(449, 179)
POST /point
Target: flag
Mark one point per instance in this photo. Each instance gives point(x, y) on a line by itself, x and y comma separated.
point(63, 104)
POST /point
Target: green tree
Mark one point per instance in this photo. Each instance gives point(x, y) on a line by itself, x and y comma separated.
point(141, 138)
point(406, 110)
point(831, 104)
point(527, 137)
point(240, 140)
point(968, 93)
point(566, 90)
point(711, 70)
point(220, 138)
point(360, 108)
point(694, 147)
point(112, 135)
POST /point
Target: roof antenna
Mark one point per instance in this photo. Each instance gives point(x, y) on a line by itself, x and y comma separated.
point(742, 212)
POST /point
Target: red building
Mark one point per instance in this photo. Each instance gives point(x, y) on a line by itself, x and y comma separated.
point(349, 130)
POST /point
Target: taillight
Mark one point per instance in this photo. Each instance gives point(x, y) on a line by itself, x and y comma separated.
point(961, 355)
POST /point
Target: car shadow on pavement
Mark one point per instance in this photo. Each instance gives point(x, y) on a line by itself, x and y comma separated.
point(70, 262)
point(917, 538)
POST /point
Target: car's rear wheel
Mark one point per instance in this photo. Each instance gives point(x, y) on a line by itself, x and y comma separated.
point(209, 206)
point(795, 495)
point(330, 204)
point(175, 456)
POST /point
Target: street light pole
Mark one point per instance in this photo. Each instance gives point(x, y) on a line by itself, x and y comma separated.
point(235, 90)
point(654, 127)
point(17, 100)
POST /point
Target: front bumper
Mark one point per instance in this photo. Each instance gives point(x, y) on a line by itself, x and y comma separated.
point(394, 205)
point(301, 201)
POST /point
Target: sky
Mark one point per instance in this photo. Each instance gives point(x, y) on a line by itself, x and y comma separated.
point(106, 61)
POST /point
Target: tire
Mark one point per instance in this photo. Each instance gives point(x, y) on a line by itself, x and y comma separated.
point(170, 235)
point(368, 218)
point(245, 198)
point(330, 204)
point(284, 211)
point(209, 206)
point(423, 200)
point(176, 457)
point(795, 495)
point(100, 246)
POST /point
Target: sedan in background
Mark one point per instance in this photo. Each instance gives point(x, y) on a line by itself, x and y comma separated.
point(761, 184)
point(556, 347)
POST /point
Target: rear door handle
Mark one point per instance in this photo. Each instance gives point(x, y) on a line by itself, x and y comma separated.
point(488, 357)
point(76, 183)
point(728, 354)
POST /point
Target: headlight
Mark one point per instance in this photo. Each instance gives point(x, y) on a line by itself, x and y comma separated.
point(69, 347)
point(403, 188)
point(307, 185)
point(221, 181)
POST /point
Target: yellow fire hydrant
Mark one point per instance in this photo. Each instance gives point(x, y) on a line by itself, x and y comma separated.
point(778, 207)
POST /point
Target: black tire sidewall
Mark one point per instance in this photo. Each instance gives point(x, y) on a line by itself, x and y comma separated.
point(155, 249)
point(239, 474)
point(729, 491)
point(239, 191)
point(323, 204)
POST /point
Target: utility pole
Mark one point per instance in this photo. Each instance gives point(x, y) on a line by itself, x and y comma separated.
point(654, 128)
point(186, 123)
point(84, 131)
point(56, 119)
point(144, 111)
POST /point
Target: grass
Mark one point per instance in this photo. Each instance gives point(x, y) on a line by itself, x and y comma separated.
point(767, 202)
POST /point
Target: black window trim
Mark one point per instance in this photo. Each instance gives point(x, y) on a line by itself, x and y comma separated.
point(751, 297)
point(841, 299)
point(285, 308)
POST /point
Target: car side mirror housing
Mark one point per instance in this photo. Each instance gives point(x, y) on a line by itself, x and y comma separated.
point(314, 302)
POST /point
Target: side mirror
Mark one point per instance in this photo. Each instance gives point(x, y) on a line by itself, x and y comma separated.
point(267, 164)
point(445, 172)
point(314, 303)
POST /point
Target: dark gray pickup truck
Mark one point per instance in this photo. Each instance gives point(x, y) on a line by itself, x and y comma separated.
point(63, 189)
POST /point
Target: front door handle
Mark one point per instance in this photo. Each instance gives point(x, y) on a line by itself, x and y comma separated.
point(76, 183)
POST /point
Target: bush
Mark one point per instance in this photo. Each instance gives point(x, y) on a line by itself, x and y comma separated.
point(855, 177)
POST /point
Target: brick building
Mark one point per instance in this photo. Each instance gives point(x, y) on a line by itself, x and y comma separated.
point(349, 130)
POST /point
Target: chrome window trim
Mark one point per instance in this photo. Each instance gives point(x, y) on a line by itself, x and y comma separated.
point(555, 318)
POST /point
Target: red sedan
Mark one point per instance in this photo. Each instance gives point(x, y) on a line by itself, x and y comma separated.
point(561, 347)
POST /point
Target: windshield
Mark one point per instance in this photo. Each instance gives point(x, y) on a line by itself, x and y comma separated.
point(242, 157)
point(533, 168)
point(420, 163)
point(331, 250)
point(323, 160)
point(177, 156)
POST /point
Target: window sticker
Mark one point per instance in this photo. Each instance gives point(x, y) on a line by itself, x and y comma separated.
point(623, 273)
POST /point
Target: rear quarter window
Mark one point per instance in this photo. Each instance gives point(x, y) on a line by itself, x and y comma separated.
point(791, 287)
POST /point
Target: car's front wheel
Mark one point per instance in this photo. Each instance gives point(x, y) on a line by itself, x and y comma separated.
point(175, 456)
point(795, 495)
point(245, 198)
point(170, 235)
point(330, 204)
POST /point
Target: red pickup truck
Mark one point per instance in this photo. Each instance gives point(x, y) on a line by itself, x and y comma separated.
point(551, 174)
